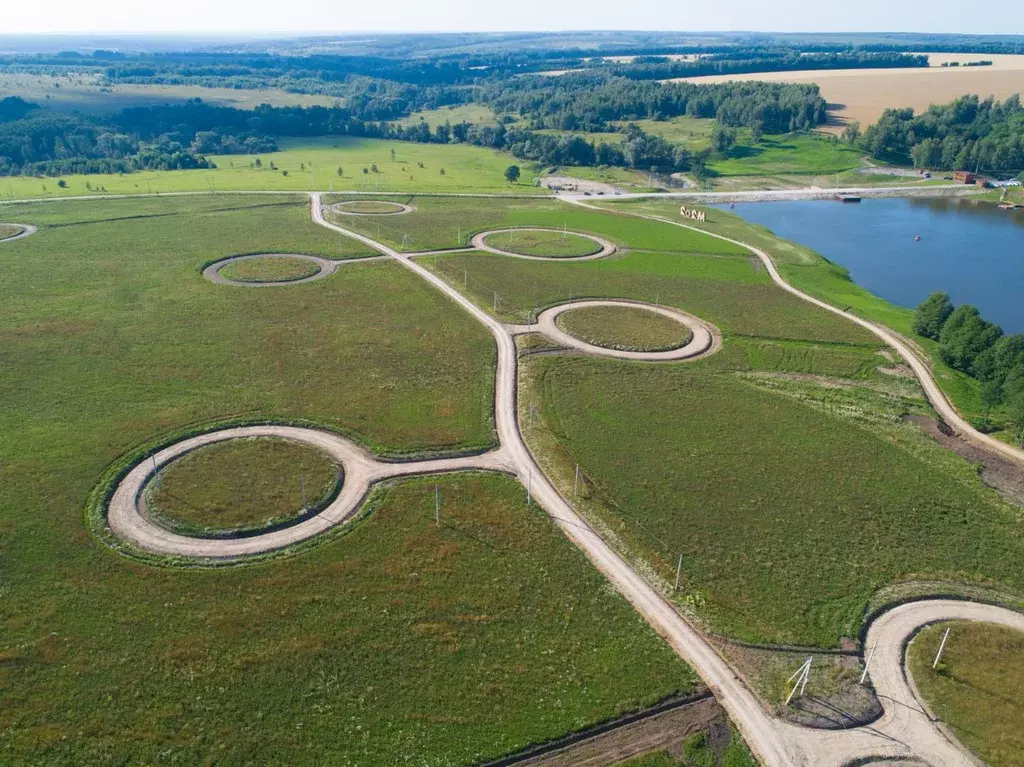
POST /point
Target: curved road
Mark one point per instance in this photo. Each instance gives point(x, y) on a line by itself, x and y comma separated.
point(706, 340)
point(26, 230)
point(904, 732)
point(479, 242)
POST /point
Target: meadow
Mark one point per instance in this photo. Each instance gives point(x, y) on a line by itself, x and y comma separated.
point(269, 269)
point(808, 271)
point(440, 223)
point(399, 641)
point(976, 690)
point(308, 164)
point(548, 243)
point(85, 92)
point(793, 153)
point(624, 327)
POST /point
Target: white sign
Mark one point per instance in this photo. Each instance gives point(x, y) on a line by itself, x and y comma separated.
point(692, 214)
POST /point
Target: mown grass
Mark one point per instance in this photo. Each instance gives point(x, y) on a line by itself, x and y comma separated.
point(805, 269)
point(790, 509)
point(978, 688)
point(478, 114)
point(399, 642)
point(269, 269)
point(244, 484)
point(311, 164)
point(550, 243)
point(729, 292)
point(793, 153)
point(623, 327)
point(440, 223)
point(370, 207)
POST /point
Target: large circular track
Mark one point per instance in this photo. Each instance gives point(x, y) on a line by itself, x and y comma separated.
point(25, 231)
point(607, 247)
point(128, 521)
point(212, 272)
point(706, 338)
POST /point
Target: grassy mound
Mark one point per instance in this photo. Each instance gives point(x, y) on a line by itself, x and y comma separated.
point(241, 485)
point(625, 327)
point(370, 207)
point(270, 269)
point(548, 243)
point(977, 688)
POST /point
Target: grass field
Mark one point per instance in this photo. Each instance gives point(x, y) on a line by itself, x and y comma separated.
point(380, 647)
point(811, 273)
point(269, 269)
point(241, 485)
point(86, 93)
point(787, 498)
point(8, 231)
point(729, 291)
point(623, 327)
point(794, 153)
point(370, 207)
point(310, 164)
point(550, 243)
point(978, 689)
point(440, 223)
point(478, 114)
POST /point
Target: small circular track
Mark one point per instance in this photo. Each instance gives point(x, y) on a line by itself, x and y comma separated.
point(213, 271)
point(607, 247)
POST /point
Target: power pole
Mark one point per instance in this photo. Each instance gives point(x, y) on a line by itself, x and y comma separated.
point(529, 488)
point(437, 506)
point(679, 569)
point(801, 676)
point(302, 484)
point(942, 646)
point(576, 482)
point(867, 663)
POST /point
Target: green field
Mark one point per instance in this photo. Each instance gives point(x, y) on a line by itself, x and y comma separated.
point(241, 485)
point(698, 751)
point(808, 271)
point(978, 688)
point(728, 291)
point(548, 243)
point(269, 269)
point(369, 207)
point(85, 92)
point(382, 646)
point(440, 223)
point(311, 164)
point(8, 231)
point(624, 327)
point(793, 153)
point(477, 114)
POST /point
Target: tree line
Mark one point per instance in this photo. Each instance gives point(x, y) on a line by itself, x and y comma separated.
point(973, 345)
point(744, 62)
point(968, 134)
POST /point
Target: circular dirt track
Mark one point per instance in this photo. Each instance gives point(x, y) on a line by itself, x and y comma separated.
point(26, 231)
point(400, 208)
point(706, 338)
point(128, 521)
point(480, 243)
point(212, 272)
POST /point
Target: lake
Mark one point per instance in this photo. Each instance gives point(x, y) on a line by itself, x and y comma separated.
point(973, 251)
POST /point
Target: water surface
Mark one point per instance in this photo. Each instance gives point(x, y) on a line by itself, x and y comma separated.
point(971, 250)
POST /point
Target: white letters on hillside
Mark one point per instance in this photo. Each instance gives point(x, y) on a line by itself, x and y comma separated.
point(692, 213)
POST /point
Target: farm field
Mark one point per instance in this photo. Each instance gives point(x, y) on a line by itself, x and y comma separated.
point(310, 164)
point(86, 93)
point(437, 223)
point(861, 95)
point(122, 341)
point(809, 272)
point(976, 691)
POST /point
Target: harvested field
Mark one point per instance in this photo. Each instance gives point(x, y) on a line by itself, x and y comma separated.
point(863, 94)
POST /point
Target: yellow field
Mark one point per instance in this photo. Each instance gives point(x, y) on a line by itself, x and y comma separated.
point(863, 94)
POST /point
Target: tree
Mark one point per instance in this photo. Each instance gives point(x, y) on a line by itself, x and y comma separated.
point(392, 155)
point(965, 335)
point(932, 314)
point(723, 139)
point(851, 134)
point(1017, 417)
point(442, 171)
point(284, 173)
point(62, 183)
point(341, 171)
point(512, 174)
point(373, 168)
point(991, 396)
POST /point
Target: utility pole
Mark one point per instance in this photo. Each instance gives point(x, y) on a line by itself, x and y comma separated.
point(867, 663)
point(529, 488)
point(495, 309)
point(801, 676)
point(942, 646)
point(465, 279)
point(302, 484)
point(576, 482)
point(437, 506)
point(679, 569)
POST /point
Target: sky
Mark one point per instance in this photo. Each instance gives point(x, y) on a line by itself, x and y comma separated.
point(268, 17)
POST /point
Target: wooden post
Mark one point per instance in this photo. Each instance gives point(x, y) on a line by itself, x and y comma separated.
point(942, 646)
